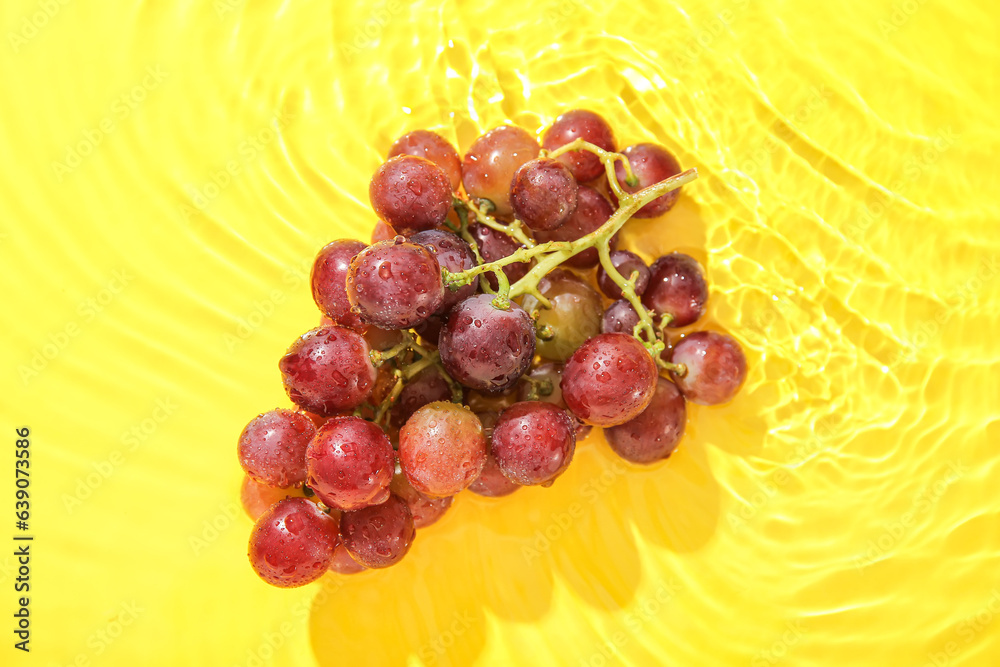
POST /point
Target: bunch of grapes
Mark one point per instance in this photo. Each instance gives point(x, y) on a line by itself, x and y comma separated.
point(490, 323)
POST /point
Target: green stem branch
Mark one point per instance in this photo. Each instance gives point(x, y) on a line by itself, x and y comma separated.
point(557, 252)
point(608, 158)
point(515, 230)
point(390, 400)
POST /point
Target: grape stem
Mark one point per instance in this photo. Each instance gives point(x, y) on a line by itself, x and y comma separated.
point(554, 253)
point(390, 400)
point(557, 252)
point(515, 230)
point(411, 370)
point(544, 332)
point(537, 388)
point(645, 331)
point(607, 157)
point(462, 211)
point(379, 357)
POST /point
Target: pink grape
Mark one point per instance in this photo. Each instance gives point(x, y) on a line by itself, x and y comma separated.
point(350, 463)
point(431, 146)
point(453, 254)
point(272, 447)
point(442, 448)
point(395, 284)
point(491, 482)
point(677, 288)
point(651, 163)
point(410, 193)
point(494, 245)
point(620, 317)
point(342, 563)
point(655, 433)
point(426, 387)
point(609, 380)
point(378, 536)
point(426, 511)
point(716, 367)
point(580, 124)
point(486, 348)
point(329, 281)
point(328, 370)
point(292, 543)
point(491, 161)
point(533, 442)
point(543, 193)
point(383, 232)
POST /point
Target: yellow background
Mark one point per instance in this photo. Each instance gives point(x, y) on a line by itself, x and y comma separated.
point(840, 511)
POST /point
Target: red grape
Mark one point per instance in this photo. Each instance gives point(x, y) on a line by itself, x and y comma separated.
point(410, 193)
point(533, 442)
point(272, 447)
point(620, 317)
point(256, 498)
point(543, 193)
point(494, 245)
point(395, 284)
point(654, 434)
point(677, 288)
point(350, 463)
point(574, 317)
point(431, 146)
point(626, 262)
point(328, 370)
point(329, 281)
point(379, 535)
point(292, 543)
point(651, 163)
point(486, 348)
point(491, 482)
point(425, 510)
point(453, 254)
point(716, 367)
point(580, 124)
point(592, 211)
point(609, 380)
point(491, 161)
point(342, 562)
point(442, 448)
